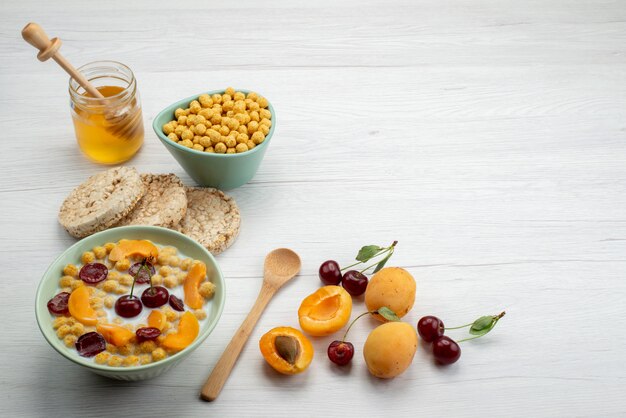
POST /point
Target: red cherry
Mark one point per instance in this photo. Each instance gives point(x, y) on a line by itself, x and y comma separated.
point(128, 306)
point(330, 273)
point(430, 328)
point(354, 282)
point(446, 350)
point(340, 352)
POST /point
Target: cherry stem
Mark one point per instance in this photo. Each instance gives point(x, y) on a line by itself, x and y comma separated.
point(143, 265)
point(352, 323)
point(381, 252)
point(462, 326)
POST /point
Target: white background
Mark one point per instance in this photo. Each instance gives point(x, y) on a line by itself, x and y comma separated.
point(486, 136)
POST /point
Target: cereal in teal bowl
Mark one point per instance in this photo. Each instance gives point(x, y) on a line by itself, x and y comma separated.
point(219, 137)
point(131, 302)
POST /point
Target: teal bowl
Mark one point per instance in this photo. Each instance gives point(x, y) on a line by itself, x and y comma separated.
point(222, 171)
point(161, 236)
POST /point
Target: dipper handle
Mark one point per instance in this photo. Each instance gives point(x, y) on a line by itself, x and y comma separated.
point(49, 48)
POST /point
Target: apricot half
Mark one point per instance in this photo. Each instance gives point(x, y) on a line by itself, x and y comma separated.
point(287, 350)
point(79, 307)
point(188, 329)
point(389, 349)
point(393, 287)
point(196, 275)
point(115, 334)
point(157, 319)
point(326, 311)
point(126, 248)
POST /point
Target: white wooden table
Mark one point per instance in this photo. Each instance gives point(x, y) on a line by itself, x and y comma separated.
point(487, 136)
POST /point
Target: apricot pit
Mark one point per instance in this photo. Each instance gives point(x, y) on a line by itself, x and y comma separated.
point(286, 350)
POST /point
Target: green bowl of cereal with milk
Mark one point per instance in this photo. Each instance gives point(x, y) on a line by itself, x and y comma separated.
point(130, 302)
point(219, 137)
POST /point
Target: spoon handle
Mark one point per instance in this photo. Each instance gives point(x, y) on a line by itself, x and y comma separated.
point(222, 369)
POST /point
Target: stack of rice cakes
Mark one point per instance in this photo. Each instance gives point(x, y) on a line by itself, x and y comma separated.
point(121, 196)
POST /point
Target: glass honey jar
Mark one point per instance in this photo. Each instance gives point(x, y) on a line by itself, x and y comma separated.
point(109, 130)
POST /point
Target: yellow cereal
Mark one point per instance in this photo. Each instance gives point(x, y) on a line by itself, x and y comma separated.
point(58, 321)
point(239, 96)
point(228, 105)
point(163, 259)
point(145, 359)
point(170, 281)
point(210, 150)
point(174, 261)
point(185, 264)
point(265, 114)
point(114, 275)
point(253, 126)
point(158, 354)
point(266, 122)
point(231, 142)
point(200, 314)
point(87, 257)
point(126, 279)
point(66, 281)
point(63, 330)
point(187, 143)
point(262, 102)
point(115, 361)
point(254, 115)
point(207, 289)
point(181, 276)
point(102, 357)
point(122, 265)
point(96, 303)
point(205, 100)
point(264, 129)
point(109, 301)
point(118, 321)
point(125, 349)
point(147, 346)
point(131, 361)
point(224, 130)
point(252, 96)
point(257, 137)
point(171, 315)
point(121, 290)
point(179, 112)
point(168, 128)
point(99, 252)
point(157, 280)
point(111, 349)
point(230, 91)
point(187, 135)
point(179, 130)
point(200, 129)
point(77, 329)
point(109, 285)
point(70, 340)
point(198, 147)
point(217, 98)
point(166, 270)
point(101, 313)
point(76, 284)
point(241, 148)
point(70, 270)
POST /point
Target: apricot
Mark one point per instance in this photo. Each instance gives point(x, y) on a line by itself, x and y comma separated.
point(191, 285)
point(188, 329)
point(287, 350)
point(389, 349)
point(392, 287)
point(157, 319)
point(79, 307)
point(325, 311)
point(126, 248)
point(115, 334)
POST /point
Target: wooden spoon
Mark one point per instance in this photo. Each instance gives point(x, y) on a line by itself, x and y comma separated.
point(281, 265)
point(124, 126)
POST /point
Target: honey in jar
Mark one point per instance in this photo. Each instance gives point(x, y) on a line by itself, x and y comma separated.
point(109, 130)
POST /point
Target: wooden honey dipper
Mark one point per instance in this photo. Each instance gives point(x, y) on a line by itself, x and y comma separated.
point(124, 126)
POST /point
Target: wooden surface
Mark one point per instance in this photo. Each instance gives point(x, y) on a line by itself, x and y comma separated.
point(486, 136)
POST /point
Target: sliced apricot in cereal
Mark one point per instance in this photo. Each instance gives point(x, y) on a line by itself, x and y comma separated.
point(326, 311)
point(115, 334)
point(157, 319)
point(126, 248)
point(191, 286)
point(79, 307)
point(188, 329)
point(287, 350)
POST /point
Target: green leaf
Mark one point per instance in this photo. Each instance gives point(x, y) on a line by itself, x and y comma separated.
point(483, 325)
point(388, 314)
point(367, 252)
point(382, 262)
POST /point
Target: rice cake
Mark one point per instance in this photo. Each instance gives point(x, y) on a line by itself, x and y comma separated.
point(212, 218)
point(164, 203)
point(101, 201)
